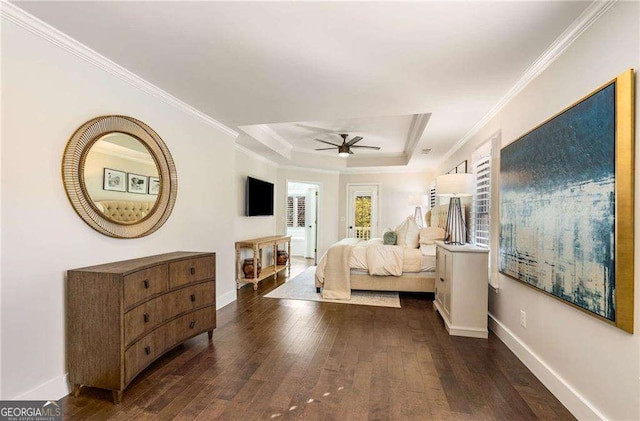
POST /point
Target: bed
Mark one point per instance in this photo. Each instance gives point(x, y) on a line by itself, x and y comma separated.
point(353, 264)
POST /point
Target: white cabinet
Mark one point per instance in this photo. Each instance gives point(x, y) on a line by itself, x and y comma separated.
point(462, 288)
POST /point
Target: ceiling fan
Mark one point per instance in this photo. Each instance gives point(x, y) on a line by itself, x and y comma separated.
point(344, 149)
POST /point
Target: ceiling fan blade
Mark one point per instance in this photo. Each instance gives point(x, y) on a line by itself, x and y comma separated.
point(328, 143)
point(377, 148)
point(354, 140)
point(324, 149)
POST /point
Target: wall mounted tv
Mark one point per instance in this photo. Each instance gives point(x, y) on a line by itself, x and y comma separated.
point(258, 197)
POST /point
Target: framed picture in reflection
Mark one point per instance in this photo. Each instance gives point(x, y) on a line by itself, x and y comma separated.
point(114, 180)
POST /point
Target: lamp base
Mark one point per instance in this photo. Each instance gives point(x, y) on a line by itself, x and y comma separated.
point(417, 216)
point(456, 229)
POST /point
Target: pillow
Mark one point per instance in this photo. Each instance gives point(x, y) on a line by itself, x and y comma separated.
point(430, 234)
point(390, 238)
point(427, 218)
point(428, 249)
point(408, 233)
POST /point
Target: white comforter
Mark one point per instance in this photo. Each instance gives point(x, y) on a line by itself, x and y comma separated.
point(373, 256)
point(379, 259)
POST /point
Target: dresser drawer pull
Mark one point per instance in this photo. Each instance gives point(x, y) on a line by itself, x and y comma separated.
point(146, 283)
point(441, 280)
point(147, 350)
point(192, 324)
point(193, 271)
point(193, 298)
point(146, 317)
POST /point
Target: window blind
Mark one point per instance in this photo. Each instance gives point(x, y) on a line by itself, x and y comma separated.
point(482, 170)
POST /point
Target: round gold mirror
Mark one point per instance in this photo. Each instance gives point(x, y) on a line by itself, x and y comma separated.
point(119, 176)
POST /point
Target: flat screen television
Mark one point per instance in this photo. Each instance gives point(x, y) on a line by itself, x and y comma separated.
point(258, 197)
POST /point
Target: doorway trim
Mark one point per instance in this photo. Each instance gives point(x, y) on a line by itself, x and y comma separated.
point(348, 208)
point(318, 210)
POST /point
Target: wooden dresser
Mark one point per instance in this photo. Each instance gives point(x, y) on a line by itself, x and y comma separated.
point(122, 316)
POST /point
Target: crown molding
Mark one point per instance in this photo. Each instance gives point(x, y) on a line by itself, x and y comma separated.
point(123, 153)
point(318, 170)
point(387, 170)
point(255, 155)
point(589, 16)
point(418, 124)
point(14, 14)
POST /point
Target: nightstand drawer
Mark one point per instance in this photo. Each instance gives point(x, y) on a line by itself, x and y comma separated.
point(144, 283)
point(191, 270)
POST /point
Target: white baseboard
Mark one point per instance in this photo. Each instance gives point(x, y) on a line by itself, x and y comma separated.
point(51, 390)
point(225, 299)
point(580, 407)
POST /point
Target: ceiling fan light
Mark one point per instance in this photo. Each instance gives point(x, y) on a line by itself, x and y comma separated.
point(343, 151)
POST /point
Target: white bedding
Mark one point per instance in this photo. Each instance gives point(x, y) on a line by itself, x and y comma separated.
point(358, 260)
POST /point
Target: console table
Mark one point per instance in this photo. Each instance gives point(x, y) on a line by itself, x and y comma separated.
point(257, 244)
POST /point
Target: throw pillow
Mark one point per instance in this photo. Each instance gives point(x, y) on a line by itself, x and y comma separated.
point(408, 233)
point(430, 234)
point(390, 238)
point(412, 240)
point(401, 232)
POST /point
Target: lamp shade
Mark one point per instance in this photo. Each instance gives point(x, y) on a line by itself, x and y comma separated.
point(417, 200)
point(455, 185)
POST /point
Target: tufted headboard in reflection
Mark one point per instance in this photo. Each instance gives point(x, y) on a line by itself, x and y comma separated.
point(124, 211)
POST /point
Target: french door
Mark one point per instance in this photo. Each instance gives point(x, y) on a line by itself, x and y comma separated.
point(362, 211)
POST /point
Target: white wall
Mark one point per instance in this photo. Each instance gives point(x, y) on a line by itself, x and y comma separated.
point(594, 368)
point(327, 203)
point(47, 93)
point(249, 164)
point(395, 189)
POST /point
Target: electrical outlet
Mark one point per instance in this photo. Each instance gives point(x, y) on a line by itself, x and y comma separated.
point(523, 319)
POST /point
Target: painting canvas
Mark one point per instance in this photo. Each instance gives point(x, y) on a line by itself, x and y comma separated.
point(114, 180)
point(558, 196)
point(154, 185)
point(137, 183)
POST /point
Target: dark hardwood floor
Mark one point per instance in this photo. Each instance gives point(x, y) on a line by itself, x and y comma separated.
point(285, 359)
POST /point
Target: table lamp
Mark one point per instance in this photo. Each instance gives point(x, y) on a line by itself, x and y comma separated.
point(455, 186)
point(418, 200)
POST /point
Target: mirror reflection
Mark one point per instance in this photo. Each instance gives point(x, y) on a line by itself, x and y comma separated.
point(121, 178)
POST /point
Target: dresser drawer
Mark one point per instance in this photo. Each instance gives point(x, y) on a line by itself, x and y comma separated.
point(193, 323)
point(149, 347)
point(144, 317)
point(187, 299)
point(143, 284)
point(191, 270)
point(147, 316)
point(143, 352)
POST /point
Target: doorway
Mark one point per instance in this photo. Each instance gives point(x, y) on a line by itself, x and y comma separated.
point(362, 211)
point(302, 218)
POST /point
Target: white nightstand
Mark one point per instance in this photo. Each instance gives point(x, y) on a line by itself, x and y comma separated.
point(462, 288)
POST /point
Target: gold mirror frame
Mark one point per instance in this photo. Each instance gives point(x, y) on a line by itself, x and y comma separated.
point(73, 163)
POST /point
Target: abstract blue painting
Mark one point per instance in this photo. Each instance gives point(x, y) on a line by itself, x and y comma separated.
point(557, 205)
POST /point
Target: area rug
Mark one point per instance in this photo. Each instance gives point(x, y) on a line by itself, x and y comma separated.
point(302, 287)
